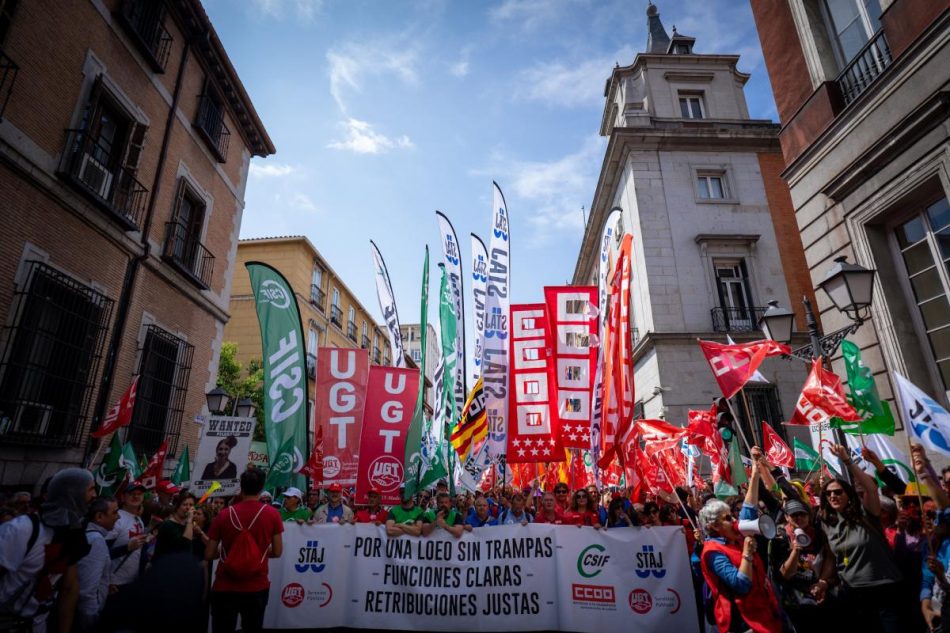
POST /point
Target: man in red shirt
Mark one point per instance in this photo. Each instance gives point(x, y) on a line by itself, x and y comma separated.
point(244, 592)
point(372, 513)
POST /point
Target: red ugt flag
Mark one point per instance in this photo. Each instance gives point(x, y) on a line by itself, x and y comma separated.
point(734, 365)
point(314, 466)
point(153, 472)
point(776, 450)
point(119, 415)
point(822, 398)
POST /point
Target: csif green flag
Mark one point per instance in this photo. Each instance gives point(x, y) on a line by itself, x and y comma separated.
point(182, 472)
point(412, 460)
point(110, 471)
point(876, 414)
point(285, 374)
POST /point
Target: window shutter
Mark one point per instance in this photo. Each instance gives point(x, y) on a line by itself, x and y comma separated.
point(92, 103)
point(133, 152)
point(179, 197)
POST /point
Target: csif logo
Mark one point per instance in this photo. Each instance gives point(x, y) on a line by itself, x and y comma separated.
point(310, 557)
point(649, 562)
point(274, 293)
point(592, 560)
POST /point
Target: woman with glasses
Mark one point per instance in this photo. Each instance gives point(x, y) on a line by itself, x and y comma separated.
point(851, 521)
point(582, 512)
point(562, 497)
point(618, 516)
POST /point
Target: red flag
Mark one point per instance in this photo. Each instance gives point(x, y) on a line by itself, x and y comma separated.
point(314, 466)
point(822, 398)
point(153, 472)
point(342, 375)
point(734, 365)
point(703, 433)
point(776, 450)
point(119, 415)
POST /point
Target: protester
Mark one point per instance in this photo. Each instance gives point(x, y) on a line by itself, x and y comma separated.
point(373, 512)
point(868, 574)
point(444, 516)
point(293, 508)
point(129, 541)
point(617, 516)
point(736, 577)
point(405, 518)
point(581, 512)
point(176, 533)
point(550, 511)
point(244, 536)
point(39, 555)
point(334, 510)
point(562, 496)
point(21, 502)
point(651, 513)
point(481, 517)
point(95, 568)
point(516, 514)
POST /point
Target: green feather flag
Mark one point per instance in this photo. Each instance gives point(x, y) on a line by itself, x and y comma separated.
point(183, 470)
point(412, 460)
point(110, 471)
point(876, 414)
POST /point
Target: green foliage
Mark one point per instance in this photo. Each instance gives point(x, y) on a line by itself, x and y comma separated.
point(241, 383)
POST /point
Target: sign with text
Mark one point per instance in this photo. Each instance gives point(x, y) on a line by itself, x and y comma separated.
point(390, 400)
point(342, 375)
point(222, 454)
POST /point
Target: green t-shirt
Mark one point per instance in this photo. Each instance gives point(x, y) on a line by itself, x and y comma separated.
point(406, 517)
point(302, 513)
point(454, 518)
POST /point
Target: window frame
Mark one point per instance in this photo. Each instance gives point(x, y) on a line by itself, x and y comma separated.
point(688, 96)
point(833, 36)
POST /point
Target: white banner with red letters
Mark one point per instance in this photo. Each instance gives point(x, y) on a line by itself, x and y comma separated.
point(511, 578)
point(390, 400)
point(341, 394)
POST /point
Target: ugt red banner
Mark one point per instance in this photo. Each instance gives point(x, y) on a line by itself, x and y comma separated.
point(341, 395)
point(390, 400)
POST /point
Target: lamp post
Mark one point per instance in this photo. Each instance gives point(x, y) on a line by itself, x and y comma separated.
point(218, 399)
point(850, 287)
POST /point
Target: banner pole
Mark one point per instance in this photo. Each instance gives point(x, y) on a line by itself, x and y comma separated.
point(668, 478)
point(748, 415)
point(748, 447)
point(95, 457)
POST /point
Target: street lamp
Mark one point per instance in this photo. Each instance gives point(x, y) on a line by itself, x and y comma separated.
point(777, 323)
point(850, 287)
point(245, 408)
point(218, 400)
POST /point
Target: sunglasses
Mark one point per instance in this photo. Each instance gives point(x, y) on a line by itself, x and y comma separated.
point(560, 492)
point(834, 492)
point(581, 494)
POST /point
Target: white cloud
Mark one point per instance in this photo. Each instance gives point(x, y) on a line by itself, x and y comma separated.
point(361, 138)
point(569, 84)
point(353, 63)
point(302, 202)
point(528, 14)
point(460, 69)
point(272, 170)
point(304, 10)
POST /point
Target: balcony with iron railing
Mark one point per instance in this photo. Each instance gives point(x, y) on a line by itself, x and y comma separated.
point(736, 319)
point(318, 297)
point(351, 331)
point(8, 73)
point(866, 66)
point(88, 166)
point(336, 316)
point(364, 342)
point(377, 355)
point(145, 21)
point(210, 124)
point(183, 251)
point(312, 366)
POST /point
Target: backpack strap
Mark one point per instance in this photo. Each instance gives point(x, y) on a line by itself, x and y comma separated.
point(34, 534)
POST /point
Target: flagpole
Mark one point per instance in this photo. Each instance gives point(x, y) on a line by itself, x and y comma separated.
point(910, 456)
point(668, 478)
point(102, 442)
point(748, 414)
point(739, 427)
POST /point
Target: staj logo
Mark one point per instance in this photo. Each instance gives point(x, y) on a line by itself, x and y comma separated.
point(310, 557)
point(592, 560)
point(649, 562)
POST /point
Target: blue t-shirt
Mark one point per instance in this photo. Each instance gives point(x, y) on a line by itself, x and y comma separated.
point(475, 522)
point(336, 512)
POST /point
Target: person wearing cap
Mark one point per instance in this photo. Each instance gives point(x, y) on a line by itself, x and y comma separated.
point(293, 508)
point(130, 538)
point(334, 510)
point(406, 518)
point(373, 512)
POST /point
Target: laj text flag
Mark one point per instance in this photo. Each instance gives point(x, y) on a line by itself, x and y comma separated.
point(776, 450)
point(285, 372)
point(342, 375)
point(387, 304)
point(479, 283)
point(412, 456)
point(390, 399)
point(452, 257)
point(822, 398)
point(497, 330)
point(533, 432)
point(928, 420)
point(120, 414)
point(734, 365)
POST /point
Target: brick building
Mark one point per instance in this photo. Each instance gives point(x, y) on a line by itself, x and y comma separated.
point(863, 93)
point(125, 140)
point(698, 184)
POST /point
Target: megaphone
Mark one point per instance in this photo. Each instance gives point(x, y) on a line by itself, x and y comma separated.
point(763, 526)
point(802, 538)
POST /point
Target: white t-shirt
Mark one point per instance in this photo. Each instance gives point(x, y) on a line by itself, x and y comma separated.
point(22, 566)
point(126, 527)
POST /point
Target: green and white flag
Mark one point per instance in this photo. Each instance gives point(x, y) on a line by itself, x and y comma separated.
point(412, 460)
point(876, 414)
point(110, 471)
point(806, 458)
point(285, 374)
point(130, 463)
point(893, 458)
point(182, 472)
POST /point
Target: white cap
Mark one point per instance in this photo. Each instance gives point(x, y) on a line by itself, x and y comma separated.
point(293, 492)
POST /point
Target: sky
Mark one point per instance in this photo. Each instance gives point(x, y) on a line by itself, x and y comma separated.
point(384, 111)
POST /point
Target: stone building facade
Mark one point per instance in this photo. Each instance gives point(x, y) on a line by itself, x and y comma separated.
point(125, 139)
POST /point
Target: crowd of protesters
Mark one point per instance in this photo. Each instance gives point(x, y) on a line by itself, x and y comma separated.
point(855, 550)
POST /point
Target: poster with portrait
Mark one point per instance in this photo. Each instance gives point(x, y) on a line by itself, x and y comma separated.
point(222, 455)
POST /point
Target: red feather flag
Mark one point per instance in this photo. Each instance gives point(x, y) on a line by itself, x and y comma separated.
point(775, 449)
point(822, 398)
point(314, 466)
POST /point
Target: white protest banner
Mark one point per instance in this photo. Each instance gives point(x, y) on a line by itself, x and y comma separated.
point(222, 454)
point(510, 578)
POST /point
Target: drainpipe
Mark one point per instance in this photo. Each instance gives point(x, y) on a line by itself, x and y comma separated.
point(132, 268)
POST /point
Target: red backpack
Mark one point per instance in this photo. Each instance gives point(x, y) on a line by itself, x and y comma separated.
point(243, 559)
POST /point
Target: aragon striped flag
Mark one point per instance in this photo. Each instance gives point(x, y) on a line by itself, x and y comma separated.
point(472, 427)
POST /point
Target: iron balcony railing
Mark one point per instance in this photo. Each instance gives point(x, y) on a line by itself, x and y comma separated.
point(88, 165)
point(377, 355)
point(866, 66)
point(8, 73)
point(317, 297)
point(364, 342)
point(736, 319)
point(336, 316)
point(210, 123)
point(351, 330)
point(187, 254)
point(312, 366)
point(145, 19)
